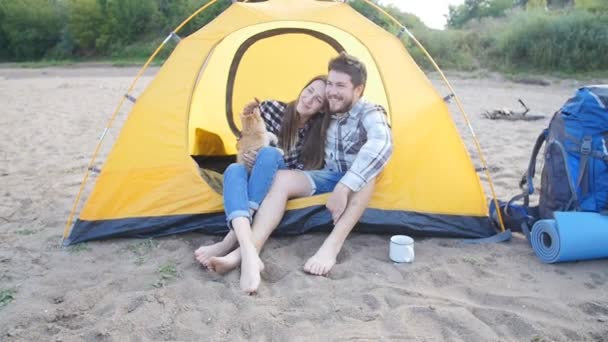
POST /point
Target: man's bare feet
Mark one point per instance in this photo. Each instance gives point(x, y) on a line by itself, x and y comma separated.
point(322, 262)
point(204, 254)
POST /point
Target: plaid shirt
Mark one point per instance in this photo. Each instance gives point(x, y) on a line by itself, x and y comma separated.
point(272, 112)
point(358, 143)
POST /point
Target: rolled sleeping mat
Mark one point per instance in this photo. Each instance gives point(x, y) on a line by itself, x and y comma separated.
point(571, 236)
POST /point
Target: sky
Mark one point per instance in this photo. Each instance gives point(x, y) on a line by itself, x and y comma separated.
point(432, 12)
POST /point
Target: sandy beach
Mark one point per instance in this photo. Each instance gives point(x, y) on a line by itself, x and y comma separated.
point(144, 290)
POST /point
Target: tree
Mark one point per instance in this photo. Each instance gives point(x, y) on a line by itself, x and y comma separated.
point(458, 16)
point(85, 23)
point(30, 27)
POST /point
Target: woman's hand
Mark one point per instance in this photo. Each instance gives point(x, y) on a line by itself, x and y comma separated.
point(249, 158)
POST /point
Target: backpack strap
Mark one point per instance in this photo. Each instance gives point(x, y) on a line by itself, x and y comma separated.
point(585, 151)
point(527, 183)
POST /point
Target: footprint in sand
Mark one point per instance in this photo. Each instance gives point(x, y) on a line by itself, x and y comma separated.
point(372, 302)
point(339, 274)
point(590, 286)
point(343, 256)
point(560, 271)
point(526, 276)
point(394, 301)
point(597, 279)
point(273, 273)
point(595, 309)
point(490, 259)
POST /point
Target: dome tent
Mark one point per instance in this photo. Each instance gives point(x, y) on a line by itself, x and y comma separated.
point(150, 183)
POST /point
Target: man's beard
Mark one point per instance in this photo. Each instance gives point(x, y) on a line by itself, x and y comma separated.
point(345, 107)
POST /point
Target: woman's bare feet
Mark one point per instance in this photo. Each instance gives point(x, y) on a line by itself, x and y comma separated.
point(251, 266)
point(229, 262)
point(204, 254)
point(226, 263)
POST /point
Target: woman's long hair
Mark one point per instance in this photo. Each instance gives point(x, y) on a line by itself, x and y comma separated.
point(313, 150)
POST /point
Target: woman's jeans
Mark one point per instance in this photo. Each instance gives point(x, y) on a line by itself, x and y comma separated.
point(243, 191)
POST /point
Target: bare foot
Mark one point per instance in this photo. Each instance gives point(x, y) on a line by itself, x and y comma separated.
point(205, 253)
point(322, 262)
point(251, 266)
point(226, 263)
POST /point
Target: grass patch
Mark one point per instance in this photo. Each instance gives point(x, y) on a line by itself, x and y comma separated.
point(538, 339)
point(471, 261)
point(141, 249)
point(166, 274)
point(26, 232)
point(6, 296)
point(79, 248)
point(46, 63)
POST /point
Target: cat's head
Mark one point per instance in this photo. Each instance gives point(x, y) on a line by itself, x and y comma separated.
point(252, 121)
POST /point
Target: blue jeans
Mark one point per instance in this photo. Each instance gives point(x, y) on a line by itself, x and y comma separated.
point(323, 181)
point(243, 191)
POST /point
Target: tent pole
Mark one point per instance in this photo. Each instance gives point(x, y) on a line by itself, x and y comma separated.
point(173, 34)
point(460, 107)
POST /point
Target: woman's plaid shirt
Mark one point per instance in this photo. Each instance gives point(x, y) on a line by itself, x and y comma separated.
point(272, 112)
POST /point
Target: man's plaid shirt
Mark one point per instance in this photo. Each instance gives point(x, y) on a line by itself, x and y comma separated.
point(272, 112)
point(358, 143)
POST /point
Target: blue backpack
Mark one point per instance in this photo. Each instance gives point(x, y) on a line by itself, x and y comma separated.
point(575, 171)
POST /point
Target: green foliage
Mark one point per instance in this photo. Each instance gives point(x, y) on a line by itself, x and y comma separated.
point(451, 49)
point(458, 16)
point(129, 20)
point(30, 27)
point(491, 33)
point(5, 53)
point(372, 14)
point(166, 274)
point(592, 5)
point(536, 4)
point(141, 249)
point(86, 23)
point(79, 248)
point(26, 232)
point(574, 42)
point(204, 18)
point(6, 296)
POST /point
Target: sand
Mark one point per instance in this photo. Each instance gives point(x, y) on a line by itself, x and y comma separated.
point(140, 290)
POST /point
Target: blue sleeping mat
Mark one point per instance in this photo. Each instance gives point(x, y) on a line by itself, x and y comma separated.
point(571, 236)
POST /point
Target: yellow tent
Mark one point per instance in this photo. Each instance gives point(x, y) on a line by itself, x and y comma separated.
point(150, 183)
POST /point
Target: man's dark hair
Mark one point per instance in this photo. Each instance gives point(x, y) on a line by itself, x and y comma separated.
point(351, 66)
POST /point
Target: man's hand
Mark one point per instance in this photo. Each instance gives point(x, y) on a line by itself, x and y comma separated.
point(249, 158)
point(336, 204)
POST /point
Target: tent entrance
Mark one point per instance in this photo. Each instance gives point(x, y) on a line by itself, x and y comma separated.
point(265, 61)
point(276, 64)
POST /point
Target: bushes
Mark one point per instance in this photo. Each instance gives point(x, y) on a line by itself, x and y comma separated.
point(573, 42)
point(35, 29)
point(497, 38)
point(451, 49)
point(570, 42)
point(30, 28)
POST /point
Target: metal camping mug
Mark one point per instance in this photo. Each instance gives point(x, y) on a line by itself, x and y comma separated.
point(401, 249)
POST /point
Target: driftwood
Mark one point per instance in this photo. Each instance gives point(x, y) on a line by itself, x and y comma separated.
point(511, 115)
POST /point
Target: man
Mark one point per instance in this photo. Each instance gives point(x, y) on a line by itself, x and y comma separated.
point(357, 147)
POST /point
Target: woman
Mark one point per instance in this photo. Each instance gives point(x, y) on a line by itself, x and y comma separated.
point(298, 126)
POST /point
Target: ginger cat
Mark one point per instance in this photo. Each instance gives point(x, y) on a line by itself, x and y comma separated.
point(253, 134)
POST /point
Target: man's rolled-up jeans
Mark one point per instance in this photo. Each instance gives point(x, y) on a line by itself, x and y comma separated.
point(243, 191)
